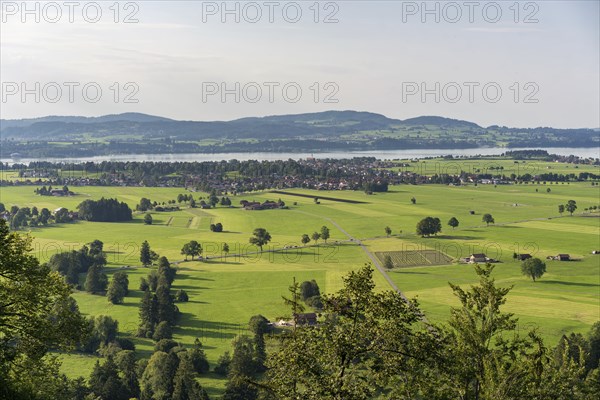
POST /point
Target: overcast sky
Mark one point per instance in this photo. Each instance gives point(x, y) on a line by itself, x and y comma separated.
point(536, 64)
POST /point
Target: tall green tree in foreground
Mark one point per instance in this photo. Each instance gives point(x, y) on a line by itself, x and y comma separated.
point(376, 345)
point(36, 314)
point(350, 355)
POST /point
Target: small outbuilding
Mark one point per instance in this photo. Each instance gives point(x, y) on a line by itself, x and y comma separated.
point(523, 257)
point(478, 258)
point(563, 257)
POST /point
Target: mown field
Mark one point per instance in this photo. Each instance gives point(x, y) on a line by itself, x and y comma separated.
point(225, 293)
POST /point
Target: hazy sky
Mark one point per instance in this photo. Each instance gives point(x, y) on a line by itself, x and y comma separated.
point(530, 64)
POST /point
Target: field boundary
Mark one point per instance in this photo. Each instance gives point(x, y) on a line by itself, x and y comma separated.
point(318, 197)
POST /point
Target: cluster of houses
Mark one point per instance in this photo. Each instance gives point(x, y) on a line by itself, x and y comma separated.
point(267, 205)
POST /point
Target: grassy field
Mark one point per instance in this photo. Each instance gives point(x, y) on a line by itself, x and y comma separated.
point(492, 165)
point(225, 293)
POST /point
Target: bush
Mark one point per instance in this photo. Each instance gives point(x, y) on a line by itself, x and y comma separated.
point(181, 295)
point(309, 289)
point(163, 331)
point(144, 285)
point(315, 302)
point(125, 344)
point(198, 358)
point(165, 345)
point(222, 367)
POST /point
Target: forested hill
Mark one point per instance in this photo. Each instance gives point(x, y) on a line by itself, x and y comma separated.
point(329, 130)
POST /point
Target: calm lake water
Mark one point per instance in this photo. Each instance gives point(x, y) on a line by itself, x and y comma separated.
point(383, 155)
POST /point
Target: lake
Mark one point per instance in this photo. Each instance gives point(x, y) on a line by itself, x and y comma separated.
point(381, 154)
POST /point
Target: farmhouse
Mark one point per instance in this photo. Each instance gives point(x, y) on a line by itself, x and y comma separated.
point(478, 257)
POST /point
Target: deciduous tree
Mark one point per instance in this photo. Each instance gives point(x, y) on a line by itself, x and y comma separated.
point(488, 219)
point(260, 238)
point(324, 233)
point(571, 206)
point(36, 314)
point(453, 222)
point(533, 268)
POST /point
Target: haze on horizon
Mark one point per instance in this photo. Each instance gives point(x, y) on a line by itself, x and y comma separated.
point(364, 56)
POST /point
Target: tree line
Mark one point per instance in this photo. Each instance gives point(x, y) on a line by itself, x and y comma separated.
point(104, 210)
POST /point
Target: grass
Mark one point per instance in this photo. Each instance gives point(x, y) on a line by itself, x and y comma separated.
point(225, 293)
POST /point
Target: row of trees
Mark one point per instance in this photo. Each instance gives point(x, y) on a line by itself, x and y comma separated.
point(322, 234)
point(25, 216)
point(432, 225)
point(158, 312)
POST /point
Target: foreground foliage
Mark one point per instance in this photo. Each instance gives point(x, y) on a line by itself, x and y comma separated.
point(377, 345)
point(36, 314)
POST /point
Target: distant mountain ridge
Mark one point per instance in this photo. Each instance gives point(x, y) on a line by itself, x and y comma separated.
point(136, 133)
point(132, 117)
point(331, 116)
point(293, 124)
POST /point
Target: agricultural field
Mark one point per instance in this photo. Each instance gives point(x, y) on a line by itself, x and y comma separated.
point(226, 291)
point(414, 258)
point(492, 165)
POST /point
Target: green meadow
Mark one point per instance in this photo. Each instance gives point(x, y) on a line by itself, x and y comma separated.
point(225, 292)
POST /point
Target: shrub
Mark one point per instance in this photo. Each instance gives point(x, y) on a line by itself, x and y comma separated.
point(163, 331)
